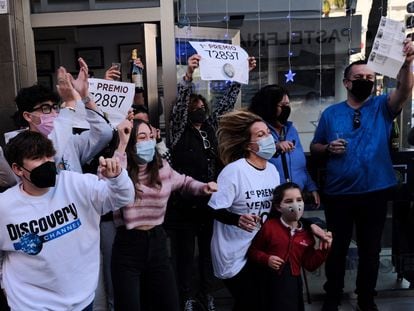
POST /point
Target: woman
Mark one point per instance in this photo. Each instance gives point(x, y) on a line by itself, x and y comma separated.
point(140, 257)
point(244, 198)
point(272, 104)
point(194, 153)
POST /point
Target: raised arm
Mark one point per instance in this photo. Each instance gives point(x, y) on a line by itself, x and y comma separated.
point(399, 97)
point(228, 100)
point(179, 114)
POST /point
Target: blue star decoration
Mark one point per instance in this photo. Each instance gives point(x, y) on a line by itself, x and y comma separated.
point(289, 76)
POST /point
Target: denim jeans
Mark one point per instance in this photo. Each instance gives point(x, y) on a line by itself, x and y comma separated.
point(142, 275)
point(367, 212)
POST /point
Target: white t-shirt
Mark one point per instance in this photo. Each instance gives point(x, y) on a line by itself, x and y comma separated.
point(50, 242)
point(242, 189)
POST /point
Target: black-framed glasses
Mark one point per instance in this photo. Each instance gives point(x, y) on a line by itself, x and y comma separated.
point(356, 120)
point(47, 108)
point(206, 142)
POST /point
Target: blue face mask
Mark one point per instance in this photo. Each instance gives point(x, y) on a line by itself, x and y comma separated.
point(267, 147)
point(145, 150)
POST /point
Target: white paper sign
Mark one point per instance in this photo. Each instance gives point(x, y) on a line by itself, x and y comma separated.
point(221, 61)
point(3, 7)
point(113, 97)
point(387, 55)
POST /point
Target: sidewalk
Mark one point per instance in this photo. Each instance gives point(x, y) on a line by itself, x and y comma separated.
point(399, 300)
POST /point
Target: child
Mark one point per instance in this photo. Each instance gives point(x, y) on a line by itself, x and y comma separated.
point(281, 248)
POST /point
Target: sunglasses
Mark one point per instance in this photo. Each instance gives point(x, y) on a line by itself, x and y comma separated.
point(356, 119)
point(206, 142)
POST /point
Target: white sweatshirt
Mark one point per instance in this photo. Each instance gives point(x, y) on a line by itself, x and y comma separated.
point(50, 242)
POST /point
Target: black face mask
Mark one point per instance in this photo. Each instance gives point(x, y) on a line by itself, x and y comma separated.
point(197, 116)
point(361, 89)
point(284, 115)
point(43, 176)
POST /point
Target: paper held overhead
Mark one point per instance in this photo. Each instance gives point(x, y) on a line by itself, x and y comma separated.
point(387, 55)
point(222, 61)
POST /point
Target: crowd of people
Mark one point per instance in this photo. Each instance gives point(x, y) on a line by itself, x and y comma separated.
point(234, 180)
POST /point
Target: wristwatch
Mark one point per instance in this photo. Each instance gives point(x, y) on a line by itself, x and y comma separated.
point(86, 99)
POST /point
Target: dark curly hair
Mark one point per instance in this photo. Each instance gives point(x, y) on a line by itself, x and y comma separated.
point(28, 145)
point(29, 97)
point(265, 100)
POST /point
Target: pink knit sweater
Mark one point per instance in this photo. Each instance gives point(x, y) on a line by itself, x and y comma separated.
point(149, 209)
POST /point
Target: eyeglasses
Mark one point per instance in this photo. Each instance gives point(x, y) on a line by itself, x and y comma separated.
point(206, 142)
point(356, 120)
point(47, 108)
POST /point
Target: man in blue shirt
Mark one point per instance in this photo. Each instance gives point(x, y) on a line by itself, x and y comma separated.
point(354, 135)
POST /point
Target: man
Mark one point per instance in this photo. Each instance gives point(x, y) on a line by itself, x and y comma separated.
point(50, 238)
point(40, 109)
point(354, 135)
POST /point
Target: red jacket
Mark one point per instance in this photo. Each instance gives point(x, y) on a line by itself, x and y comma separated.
point(274, 238)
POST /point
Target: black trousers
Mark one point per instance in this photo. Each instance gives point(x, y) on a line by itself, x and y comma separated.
point(183, 242)
point(242, 288)
point(142, 275)
point(367, 212)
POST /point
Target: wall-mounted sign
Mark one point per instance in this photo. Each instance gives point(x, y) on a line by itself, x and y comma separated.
point(4, 7)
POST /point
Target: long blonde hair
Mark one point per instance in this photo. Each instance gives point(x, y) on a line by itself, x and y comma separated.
point(233, 134)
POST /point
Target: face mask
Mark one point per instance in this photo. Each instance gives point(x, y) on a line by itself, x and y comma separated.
point(43, 176)
point(284, 114)
point(145, 150)
point(361, 89)
point(46, 123)
point(291, 211)
point(267, 147)
point(197, 116)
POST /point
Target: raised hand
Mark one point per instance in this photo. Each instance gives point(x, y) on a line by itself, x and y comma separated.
point(112, 73)
point(66, 91)
point(124, 132)
point(109, 167)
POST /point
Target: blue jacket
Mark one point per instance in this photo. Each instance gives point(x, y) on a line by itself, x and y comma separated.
point(296, 160)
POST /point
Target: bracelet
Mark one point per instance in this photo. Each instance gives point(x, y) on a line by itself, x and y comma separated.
point(71, 109)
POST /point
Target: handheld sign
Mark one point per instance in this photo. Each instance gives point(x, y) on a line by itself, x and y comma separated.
point(387, 55)
point(222, 61)
point(112, 97)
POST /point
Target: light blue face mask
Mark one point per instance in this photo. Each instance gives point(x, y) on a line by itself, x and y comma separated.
point(267, 147)
point(145, 150)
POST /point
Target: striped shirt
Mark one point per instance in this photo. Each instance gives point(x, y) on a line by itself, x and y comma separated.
point(149, 208)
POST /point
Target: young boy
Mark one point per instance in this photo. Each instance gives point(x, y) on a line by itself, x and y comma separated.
point(49, 226)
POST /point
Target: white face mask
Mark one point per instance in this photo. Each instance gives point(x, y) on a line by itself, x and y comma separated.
point(267, 147)
point(145, 150)
point(291, 211)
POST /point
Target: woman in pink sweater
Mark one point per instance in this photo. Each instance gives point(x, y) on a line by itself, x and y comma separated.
point(139, 256)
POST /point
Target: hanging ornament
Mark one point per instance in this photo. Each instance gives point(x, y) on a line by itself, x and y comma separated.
point(289, 76)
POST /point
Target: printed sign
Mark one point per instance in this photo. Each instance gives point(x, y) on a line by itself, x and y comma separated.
point(3, 7)
point(221, 61)
point(113, 97)
point(386, 55)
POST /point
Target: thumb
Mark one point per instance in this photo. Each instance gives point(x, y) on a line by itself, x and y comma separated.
point(102, 161)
